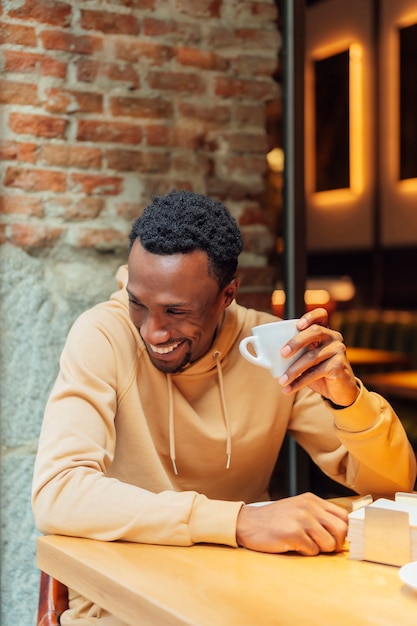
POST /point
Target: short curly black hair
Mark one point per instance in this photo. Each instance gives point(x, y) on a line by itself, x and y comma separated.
point(183, 221)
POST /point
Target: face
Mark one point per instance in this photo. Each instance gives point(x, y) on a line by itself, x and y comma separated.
point(175, 305)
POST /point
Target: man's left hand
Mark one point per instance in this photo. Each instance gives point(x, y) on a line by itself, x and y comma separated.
point(324, 366)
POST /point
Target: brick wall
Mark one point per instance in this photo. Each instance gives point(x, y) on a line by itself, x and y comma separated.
point(104, 103)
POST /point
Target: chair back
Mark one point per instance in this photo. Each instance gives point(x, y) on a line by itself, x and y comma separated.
point(53, 600)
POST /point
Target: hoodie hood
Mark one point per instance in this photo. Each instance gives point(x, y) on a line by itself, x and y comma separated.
point(236, 325)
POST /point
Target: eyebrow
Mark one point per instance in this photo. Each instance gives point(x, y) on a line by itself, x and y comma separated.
point(176, 305)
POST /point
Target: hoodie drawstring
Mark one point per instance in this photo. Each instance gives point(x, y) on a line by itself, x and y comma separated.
point(224, 410)
point(171, 425)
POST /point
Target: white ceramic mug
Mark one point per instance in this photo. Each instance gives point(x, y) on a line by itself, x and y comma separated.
point(266, 341)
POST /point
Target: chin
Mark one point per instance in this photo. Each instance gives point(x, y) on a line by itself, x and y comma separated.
point(171, 368)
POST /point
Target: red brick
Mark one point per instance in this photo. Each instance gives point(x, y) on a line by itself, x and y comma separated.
point(245, 142)
point(230, 190)
point(109, 132)
point(136, 51)
point(255, 276)
point(180, 82)
point(86, 208)
point(218, 114)
point(202, 59)
point(131, 160)
point(186, 32)
point(129, 211)
point(188, 163)
point(21, 205)
point(28, 62)
point(253, 215)
point(254, 65)
point(158, 135)
point(3, 236)
point(199, 8)
point(44, 11)
point(259, 38)
point(17, 34)
point(18, 93)
point(69, 101)
point(90, 183)
point(260, 301)
point(155, 27)
point(109, 23)
point(68, 42)
point(70, 156)
point(249, 114)
point(89, 71)
point(235, 88)
point(39, 125)
point(18, 151)
point(34, 235)
point(136, 4)
point(101, 239)
point(258, 239)
point(246, 165)
point(35, 179)
point(141, 107)
point(262, 12)
point(247, 39)
point(160, 185)
point(191, 136)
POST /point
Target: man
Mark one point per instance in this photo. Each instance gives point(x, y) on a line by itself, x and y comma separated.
point(158, 431)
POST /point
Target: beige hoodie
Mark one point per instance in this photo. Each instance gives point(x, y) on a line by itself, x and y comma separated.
point(115, 427)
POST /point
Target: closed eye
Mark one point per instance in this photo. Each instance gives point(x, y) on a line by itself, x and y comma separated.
point(135, 303)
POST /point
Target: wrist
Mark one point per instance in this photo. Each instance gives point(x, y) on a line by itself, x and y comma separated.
point(349, 402)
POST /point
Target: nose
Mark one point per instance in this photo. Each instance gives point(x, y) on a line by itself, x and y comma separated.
point(154, 329)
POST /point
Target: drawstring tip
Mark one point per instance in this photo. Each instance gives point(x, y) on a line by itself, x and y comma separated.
point(228, 462)
point(174, 465)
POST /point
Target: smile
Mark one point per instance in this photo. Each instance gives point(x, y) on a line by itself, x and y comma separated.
point(166, 349)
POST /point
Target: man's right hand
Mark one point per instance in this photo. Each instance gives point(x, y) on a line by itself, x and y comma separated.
point(305, 523)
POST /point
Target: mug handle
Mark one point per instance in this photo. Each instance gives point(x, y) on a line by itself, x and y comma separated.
point(259, 359)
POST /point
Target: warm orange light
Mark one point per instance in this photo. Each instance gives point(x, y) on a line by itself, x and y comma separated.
point(278, 297)
point(393, 126)
point(408, 185)
point(356, 119)
point(313, 298)
point(337, 197)
point(316, 297)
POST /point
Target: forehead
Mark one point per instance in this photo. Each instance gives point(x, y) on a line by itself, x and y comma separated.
point(185, 274)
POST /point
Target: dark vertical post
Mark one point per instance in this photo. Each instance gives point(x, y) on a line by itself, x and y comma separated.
point(293, 193)
point(377, 257)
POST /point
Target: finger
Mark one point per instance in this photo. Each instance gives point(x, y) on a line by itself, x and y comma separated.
point(312, 337)
point(307, 546)
point(314, 365)
point(315, 316)
point(324, 540)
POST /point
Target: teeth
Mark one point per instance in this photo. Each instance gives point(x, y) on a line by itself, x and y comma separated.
point(166, 350)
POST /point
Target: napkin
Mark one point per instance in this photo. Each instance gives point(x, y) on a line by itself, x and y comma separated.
point(385, 531)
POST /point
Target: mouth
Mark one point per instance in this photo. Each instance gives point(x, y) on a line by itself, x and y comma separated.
point(164, 349)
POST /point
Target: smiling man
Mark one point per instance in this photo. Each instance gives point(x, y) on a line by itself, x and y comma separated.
point(158, 431)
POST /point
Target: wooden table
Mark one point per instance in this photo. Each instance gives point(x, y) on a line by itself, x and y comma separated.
point(376, 358)
point(394, 384)
point(207, 585)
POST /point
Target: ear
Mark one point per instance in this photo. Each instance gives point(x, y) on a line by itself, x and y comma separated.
point(230, 291)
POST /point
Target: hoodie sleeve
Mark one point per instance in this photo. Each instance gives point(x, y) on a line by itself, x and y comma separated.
point(363, 446)
point(73, 493)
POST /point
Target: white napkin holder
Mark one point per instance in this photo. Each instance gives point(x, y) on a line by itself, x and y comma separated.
point(385, 531)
